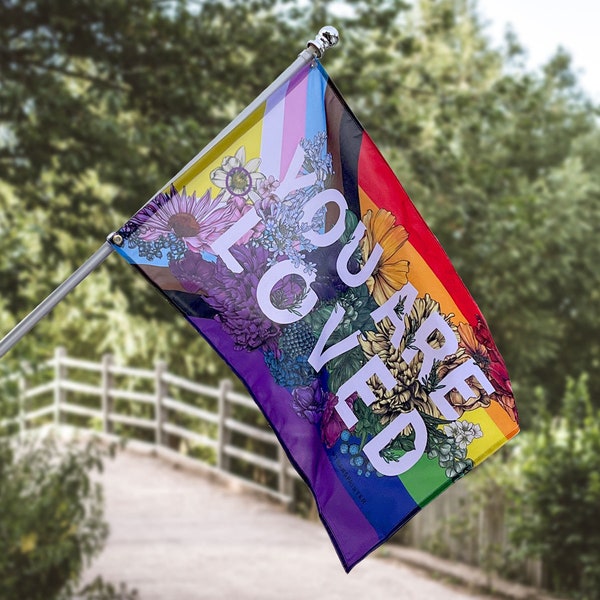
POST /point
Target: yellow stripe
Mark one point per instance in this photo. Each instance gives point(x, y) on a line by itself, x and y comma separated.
point(247, 134)
point(492, 439)
point(420, 275)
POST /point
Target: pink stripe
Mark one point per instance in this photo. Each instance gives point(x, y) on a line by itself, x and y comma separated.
point(294, 121)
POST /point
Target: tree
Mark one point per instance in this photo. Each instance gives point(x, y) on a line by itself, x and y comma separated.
point(104, 103)
point(554, 486)
point(52, 522)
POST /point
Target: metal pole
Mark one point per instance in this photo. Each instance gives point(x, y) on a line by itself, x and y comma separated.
point(42, 309)
point(326, 38)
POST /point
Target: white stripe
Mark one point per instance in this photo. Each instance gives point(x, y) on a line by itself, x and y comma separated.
point(272, 134)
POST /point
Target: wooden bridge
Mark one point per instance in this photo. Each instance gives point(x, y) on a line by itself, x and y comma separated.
point(175, 535)
point(198, 503)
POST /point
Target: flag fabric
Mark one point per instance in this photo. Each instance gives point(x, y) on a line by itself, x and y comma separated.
point(294, 250)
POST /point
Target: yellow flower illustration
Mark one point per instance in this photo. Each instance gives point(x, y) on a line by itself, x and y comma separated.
point(410, 392)
point(391, 272)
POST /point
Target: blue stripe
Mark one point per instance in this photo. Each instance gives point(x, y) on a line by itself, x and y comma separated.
point(315, 106)
point(384, 501)
point(132, 256)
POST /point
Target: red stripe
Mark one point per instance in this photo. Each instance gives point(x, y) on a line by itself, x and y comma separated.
point(378, 181)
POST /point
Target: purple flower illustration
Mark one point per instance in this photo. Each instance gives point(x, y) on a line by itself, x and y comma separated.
point(193, 272)
point(198, 222)
point(331, 422)
point(233, 296)
point(146, 212)
point(308, 401)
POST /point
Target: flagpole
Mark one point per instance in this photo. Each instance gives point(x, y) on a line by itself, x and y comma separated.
point(325, 39)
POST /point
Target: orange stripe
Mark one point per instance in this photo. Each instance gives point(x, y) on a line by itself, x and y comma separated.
point(506, 425)
point(420, 273)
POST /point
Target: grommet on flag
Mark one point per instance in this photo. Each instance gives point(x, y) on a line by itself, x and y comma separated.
point(116, 239)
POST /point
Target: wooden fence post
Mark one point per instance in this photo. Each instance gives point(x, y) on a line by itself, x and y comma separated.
point(223, 433)
point(160, 387)
point(285, 484)
point(107, 385)
point(60, 374)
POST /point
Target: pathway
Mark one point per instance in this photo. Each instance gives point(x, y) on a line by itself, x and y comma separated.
point(177, 536)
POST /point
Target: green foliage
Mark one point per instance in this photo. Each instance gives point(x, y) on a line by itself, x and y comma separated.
point(500, 162)
point(99, 589)
point(558, 496)
point(51, 523)
point(538, 499)
point(103, 102)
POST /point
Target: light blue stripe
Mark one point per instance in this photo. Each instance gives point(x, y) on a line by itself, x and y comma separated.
point(132, 256)
point(315, 112)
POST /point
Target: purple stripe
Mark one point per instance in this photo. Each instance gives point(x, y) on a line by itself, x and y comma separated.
point(351, 533)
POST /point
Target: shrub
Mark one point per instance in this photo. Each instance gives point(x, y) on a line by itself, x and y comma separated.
point(51, 522)
point(558, 497)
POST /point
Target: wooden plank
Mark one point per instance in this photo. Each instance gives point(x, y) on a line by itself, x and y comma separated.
point(40, 412)
point(192, 411)
point(84, 365)
point(44, 388)
point(190, 386)
point(81, 388)
point(75, 409)
point(255, 459)
point(134, 421)
point(142, 397)
point(252, 432)
point(242, 400)
point(131, 372)
point(189, 435)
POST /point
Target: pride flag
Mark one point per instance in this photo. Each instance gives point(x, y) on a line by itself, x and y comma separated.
point(294, 250)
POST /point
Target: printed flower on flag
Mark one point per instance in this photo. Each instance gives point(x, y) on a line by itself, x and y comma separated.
point(332, 425)
point(289, 365)
point(196, 221)
point(478, 344)
point(146, 212)
point(410, 392)
point(238, 178)
point(463, 432)
point(193, 272)
point(267, 190)
point(391, 272)
point(309, 401)
point(233, 296)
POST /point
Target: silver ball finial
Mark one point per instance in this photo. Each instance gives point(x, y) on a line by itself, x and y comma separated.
point(327, 37)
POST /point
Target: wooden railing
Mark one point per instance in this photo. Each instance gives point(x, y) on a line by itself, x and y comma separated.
point(216, 426)
point(221, 430)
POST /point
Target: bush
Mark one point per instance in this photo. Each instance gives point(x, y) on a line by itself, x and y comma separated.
point(538, 498)
point(558, 497)
point(51, 522)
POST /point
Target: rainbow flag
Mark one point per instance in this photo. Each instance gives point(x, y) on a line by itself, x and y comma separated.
point(294, 250)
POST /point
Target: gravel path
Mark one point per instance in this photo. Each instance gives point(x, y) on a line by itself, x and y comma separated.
point(177, 536)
